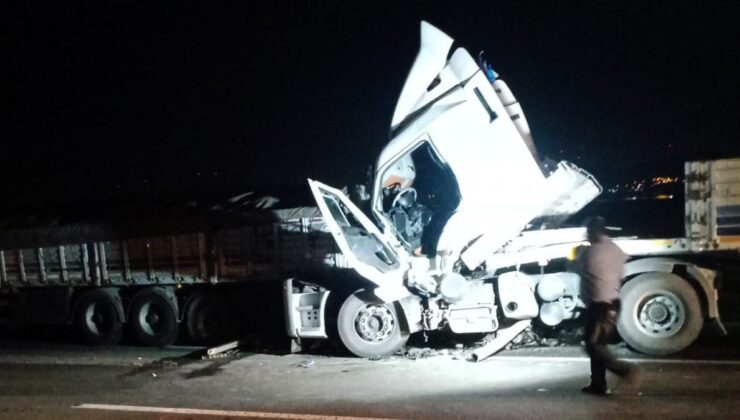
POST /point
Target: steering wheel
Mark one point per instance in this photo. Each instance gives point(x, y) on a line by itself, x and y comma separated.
point(405, 198)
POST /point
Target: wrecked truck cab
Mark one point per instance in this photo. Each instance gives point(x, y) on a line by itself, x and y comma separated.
point(457, 194)
point(459, 179)
point(463, 144)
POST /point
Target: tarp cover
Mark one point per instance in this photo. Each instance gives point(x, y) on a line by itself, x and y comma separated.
point(136, 218)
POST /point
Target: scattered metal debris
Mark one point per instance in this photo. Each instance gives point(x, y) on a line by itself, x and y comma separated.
point(528, 338)
point(221, 351)
point(306, 364)
point(502, 338)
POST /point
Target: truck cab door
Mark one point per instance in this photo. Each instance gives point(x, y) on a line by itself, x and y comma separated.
point(364, 247)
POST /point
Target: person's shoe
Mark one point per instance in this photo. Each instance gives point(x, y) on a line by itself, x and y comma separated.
point(595, 390)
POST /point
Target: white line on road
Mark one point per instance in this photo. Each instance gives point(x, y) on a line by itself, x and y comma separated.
point(222, 413)
point(586, 359)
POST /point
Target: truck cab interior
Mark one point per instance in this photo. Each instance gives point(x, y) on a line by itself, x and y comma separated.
point(419, 194)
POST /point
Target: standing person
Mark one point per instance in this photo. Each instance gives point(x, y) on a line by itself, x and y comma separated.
point(604, 270)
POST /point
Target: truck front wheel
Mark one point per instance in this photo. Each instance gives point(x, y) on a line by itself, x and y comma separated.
point(661, 313)
point(369, 327)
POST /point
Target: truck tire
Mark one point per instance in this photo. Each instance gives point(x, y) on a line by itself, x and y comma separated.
point(368, 327)
point(661, 313)
point(153, 319)
point(201, 321)
point(96, 318)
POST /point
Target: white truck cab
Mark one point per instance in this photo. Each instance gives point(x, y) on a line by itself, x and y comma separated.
point(453, 193)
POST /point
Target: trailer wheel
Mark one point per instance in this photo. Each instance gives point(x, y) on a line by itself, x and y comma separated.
point(368, 327)
point(201, 320)
point(153, 319)
point(96, 318)
point(661, 313)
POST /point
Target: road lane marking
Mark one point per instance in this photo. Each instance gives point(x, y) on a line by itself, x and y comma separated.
point(222, 413)
point(586, 359)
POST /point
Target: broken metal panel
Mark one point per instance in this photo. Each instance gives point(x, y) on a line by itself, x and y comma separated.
point(502, 338)
point(219, 350)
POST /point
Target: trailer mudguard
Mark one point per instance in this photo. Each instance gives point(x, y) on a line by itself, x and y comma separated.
point(702, 278)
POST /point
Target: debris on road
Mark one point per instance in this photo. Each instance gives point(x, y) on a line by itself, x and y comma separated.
point(502, 338)
point(219, 351)
point(306, 364)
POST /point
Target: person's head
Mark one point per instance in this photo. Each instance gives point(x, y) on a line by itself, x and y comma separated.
point(595, 229)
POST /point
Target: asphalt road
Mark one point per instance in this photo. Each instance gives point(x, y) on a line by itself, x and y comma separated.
point(59, 380)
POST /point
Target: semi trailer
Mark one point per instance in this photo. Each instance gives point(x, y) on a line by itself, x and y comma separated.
point(204, 273)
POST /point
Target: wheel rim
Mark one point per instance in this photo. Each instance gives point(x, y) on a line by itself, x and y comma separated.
point(375, 323)
point(150, 318)
point(660, 314)
point(96, 319)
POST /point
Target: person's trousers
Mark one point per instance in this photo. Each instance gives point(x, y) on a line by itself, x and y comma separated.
point(601, 322)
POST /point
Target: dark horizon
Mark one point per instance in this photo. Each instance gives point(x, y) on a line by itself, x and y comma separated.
point(134, 97)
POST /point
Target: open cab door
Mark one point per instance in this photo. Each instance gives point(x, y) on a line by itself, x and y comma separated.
point(365, 248)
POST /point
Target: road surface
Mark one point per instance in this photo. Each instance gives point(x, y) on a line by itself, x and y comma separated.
point(60, 380)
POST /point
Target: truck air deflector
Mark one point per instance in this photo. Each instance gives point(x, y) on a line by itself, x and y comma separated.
point(430, 60)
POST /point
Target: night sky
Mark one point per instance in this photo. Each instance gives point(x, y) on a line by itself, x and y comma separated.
point(120, 96)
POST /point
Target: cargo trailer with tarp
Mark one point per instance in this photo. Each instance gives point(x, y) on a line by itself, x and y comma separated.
point(190, 265)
